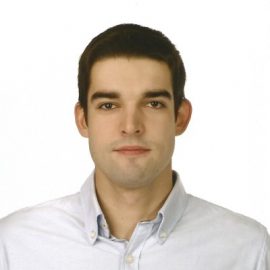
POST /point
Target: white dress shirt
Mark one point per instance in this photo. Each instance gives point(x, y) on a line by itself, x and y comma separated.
point(188, 233)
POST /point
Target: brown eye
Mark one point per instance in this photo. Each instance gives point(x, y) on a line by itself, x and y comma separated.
point(156, 104)
point(107, 106)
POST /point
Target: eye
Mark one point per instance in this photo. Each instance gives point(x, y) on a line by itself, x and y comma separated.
point(156, 104)
point(107, 106)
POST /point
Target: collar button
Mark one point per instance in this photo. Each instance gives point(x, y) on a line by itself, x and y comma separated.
point(92, 234)
point(163, 235)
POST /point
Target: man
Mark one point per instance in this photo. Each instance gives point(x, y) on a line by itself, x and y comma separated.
point(132, 212)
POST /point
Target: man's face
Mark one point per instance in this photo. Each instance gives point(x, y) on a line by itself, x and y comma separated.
point(131, 123)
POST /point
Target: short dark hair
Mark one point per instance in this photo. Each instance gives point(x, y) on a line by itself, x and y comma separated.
point(131, 40)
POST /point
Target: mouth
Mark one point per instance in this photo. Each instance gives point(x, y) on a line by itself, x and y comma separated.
point(132, 150)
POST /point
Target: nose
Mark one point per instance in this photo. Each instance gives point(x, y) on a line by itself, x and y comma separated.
point(132, 122)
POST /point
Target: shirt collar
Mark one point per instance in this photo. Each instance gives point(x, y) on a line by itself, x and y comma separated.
point(91, 208)
point(173, 209)
point(170, 213)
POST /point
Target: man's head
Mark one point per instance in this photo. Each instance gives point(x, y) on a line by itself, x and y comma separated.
point(131, 40)
point(130, 79)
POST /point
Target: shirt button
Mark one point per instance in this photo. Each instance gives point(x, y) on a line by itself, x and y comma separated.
point(93, 234)
point(129, 259)
point(163, 235)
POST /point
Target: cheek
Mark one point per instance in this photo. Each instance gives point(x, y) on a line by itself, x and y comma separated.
point(164, 136)
point(100, 126)
point(163, 127)
point(100, 134)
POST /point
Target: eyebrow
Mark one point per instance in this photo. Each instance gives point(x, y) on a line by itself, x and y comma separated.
point(102, 94)
point(116, 95)
point(157, 93)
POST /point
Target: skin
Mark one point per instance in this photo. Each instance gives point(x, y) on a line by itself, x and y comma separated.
point(131, 186)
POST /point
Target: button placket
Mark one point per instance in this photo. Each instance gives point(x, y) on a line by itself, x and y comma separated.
point(135, 245)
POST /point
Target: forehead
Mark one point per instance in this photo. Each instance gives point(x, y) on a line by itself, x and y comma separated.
point(130, 73)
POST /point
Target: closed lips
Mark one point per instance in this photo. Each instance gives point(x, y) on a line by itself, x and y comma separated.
point(132, 148)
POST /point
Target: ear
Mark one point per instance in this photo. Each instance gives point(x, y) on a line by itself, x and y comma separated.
point(183, 116)
point(80, 120)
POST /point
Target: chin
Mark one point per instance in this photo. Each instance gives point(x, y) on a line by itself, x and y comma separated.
point(132, 179)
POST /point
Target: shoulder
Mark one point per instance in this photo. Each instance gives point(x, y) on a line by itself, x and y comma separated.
point(221, 233)
point(57, 212)
point(224, 225)
point(41, 230)
point(215, 215)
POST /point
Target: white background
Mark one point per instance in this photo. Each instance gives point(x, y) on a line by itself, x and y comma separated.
point(223, 156)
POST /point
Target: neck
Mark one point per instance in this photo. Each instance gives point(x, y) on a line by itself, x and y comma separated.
point(124, 208)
